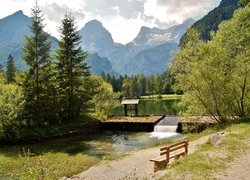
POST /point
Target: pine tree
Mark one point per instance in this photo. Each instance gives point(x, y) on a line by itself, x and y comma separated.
point(71, 70)
point(37, 57)
point(10, 70)
point(1, 69)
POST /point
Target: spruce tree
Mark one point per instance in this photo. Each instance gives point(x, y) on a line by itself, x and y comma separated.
point(10, 70)
point(36, 54)
point(71, 70)
point(1, 69)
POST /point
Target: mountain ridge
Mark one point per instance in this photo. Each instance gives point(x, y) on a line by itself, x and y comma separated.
point(97, 39)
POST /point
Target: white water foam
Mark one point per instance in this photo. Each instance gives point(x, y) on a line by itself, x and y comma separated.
point(164, 131)
point(165, 128)
point(163, 135)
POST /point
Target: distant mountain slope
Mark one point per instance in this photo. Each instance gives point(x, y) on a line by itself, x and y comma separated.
point(13, 30)
point(151, 61)
point(100, 64)
point(135, 58)
point(211, 21)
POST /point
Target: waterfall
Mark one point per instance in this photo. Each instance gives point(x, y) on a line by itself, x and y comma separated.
point(165, 128)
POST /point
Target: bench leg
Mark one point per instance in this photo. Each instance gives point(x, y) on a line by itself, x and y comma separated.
point(159, 165)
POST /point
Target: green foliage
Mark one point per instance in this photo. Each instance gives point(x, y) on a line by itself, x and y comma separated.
point(11, 107)
point(104, 99)
point(215, 75)
point(71, 70)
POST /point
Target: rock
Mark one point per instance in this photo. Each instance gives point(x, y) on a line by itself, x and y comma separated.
point(217, 139)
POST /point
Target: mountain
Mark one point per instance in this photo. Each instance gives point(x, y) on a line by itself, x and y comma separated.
point(97, 39)
point(148, 53)
point(155, 36)
point(100, 64)
point(134, 57)
point(13, 29)
point(211, 21)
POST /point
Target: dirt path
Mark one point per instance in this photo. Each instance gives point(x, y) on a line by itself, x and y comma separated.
point(135, 165)
point(238, 169)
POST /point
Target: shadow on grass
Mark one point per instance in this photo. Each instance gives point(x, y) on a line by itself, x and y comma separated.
point(93, 145)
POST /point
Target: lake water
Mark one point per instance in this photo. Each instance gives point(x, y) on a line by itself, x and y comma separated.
point(153, 107)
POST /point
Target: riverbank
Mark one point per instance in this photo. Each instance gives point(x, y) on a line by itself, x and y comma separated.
point(203, 162)
point(209, 162)
point(73, 155)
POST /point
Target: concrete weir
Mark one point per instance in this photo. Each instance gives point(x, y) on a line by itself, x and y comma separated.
point(166, 127)
point(162, 124)
point(169, 124)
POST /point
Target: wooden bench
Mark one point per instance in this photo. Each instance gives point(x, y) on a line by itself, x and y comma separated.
point(172, 151)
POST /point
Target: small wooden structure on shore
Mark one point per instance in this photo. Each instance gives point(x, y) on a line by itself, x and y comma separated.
point(130, 102)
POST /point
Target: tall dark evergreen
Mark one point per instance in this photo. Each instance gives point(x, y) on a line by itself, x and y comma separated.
point(36, 54)
point(1, 69)
point(71, 70)
point(10, 70)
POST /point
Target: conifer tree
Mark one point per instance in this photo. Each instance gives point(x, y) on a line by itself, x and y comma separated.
point(10, 70)
point(1, 69)
point(71, 70)
point(37, 56)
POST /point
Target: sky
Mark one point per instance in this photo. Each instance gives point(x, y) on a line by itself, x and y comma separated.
point(122, 18)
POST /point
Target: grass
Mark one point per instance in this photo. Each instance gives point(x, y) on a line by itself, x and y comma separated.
point(138, 119)
point(162, 96)
point(208, 160)
point(47, 166)
point(52, 159)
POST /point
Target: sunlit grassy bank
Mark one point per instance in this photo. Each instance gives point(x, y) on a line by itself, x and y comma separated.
point(208, 160)
point(163, 96)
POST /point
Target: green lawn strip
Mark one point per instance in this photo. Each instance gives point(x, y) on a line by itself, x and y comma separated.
point(162, 96)
point(48, 166)
point(208, 160)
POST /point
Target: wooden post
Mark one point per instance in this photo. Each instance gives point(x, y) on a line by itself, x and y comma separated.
point(167, 156)
point(186, 147)
point(125, 109)
point(136, 109)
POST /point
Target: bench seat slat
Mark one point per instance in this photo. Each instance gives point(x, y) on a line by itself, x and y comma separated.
point(159, 159)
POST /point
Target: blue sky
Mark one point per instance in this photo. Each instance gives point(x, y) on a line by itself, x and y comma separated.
point(123, 18)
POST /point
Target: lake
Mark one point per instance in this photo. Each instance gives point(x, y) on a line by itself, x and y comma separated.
point(154, 106)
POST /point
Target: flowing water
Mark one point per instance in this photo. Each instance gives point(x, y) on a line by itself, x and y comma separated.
point(166, 127)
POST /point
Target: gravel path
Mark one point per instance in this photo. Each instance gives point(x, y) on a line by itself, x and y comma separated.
point(238, 169)
point(135, 165)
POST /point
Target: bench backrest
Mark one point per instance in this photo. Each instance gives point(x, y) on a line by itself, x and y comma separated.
point(173, 147)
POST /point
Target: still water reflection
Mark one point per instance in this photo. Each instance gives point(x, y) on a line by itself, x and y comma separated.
point(154, 107)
